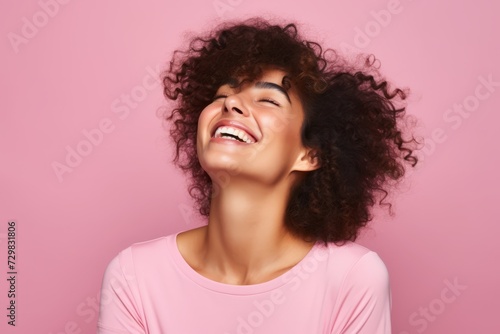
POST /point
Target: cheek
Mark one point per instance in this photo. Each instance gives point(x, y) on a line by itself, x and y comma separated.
point(286, 126)
point(204, 119)
point(203, 116)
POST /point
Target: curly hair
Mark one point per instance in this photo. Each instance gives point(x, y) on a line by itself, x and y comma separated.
point(352, 120)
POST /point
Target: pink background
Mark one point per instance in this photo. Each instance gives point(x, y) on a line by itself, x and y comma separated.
point(88, 65)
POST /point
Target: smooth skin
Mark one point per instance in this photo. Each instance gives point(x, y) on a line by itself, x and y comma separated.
point(245, 241)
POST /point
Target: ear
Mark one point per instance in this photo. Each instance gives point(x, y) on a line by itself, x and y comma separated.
point(307, 160)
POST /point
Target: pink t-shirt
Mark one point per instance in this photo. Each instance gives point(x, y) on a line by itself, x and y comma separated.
point(149, 288)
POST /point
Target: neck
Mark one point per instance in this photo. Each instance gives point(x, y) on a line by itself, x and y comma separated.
point(246, 239)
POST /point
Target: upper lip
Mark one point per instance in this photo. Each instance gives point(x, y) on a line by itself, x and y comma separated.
point(234, 124)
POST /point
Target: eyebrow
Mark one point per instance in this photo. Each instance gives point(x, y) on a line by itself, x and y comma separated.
point(271, 85)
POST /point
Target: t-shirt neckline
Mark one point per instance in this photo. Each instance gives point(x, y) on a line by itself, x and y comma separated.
point(210, 284)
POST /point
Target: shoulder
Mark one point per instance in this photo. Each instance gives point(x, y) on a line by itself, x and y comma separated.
point(364, 275)
point(360, 290)
point(151, 246)
point(354, 266)
point(141, 255)
point(349, 256)
point(126, 280)
point(355, 254)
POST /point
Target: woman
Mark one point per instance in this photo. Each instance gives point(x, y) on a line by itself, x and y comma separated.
point(288, 147)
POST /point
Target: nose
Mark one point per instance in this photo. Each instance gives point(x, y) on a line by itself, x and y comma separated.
point(239, 111)
point(234, 103)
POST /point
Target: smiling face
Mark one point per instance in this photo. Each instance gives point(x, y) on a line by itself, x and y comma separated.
point(254, 131)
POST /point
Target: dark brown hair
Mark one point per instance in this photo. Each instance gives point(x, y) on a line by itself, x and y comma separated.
point(353, 121)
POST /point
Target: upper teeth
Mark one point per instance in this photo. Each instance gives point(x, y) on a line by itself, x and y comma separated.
point(228, 130)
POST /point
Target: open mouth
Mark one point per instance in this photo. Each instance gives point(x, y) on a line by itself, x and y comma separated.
point(232, 133)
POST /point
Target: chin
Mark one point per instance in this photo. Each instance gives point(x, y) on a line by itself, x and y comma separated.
point(220, 164)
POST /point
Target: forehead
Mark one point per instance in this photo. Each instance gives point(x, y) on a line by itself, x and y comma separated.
point(274, 79)
point(273, 75)
point(276, 76)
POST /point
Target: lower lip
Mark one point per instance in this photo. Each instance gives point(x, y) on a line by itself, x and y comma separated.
point(221, 140)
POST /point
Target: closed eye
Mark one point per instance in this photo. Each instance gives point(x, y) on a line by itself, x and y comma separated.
point(270, 101)
point(220, 96)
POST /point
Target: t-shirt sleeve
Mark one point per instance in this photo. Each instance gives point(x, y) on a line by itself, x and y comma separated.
point(364, 302)
point(120, 309)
